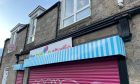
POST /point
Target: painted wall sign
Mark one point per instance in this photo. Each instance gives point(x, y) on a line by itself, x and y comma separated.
point(54, 47)
point(61, 81)
point(5, 75)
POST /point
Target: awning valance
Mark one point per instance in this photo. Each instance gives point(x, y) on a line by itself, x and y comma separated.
point(18, 67)
point(101, 48)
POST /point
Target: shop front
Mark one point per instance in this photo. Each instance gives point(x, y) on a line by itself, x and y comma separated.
point(98, 71)
point(94, 62)
point(20, 73)
point(19, 77)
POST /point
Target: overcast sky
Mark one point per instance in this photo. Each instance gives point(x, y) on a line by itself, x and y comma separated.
point(13, 12)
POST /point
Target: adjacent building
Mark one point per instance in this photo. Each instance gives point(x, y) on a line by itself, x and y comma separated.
point(75, 42)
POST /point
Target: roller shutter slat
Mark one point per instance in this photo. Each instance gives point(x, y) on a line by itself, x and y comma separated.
point(19, 77)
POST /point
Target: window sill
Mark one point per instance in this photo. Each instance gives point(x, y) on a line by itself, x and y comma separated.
point(75, 26)
point(76, 23)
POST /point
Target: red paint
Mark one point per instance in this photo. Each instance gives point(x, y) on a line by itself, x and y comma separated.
point(19, 78)
point(82, 72)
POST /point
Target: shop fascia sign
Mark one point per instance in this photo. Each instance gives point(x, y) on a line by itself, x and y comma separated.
point(54, 47)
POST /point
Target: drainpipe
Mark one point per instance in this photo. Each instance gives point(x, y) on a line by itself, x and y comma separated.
point(17, 58)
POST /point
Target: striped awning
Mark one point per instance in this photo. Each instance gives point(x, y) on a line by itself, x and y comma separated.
point(18, 67)
point(101, 48)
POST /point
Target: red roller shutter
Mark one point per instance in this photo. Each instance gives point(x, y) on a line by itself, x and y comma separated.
point(19, 78)
point(100, 71)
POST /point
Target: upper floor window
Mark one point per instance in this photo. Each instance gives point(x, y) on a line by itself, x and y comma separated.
point(12, 45)
point(13, 38)
point(33, 22)
point(32, 30)
point(74, 10)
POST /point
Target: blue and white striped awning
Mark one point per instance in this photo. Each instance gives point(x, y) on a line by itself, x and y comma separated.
point(18, 67)
point(101, 48)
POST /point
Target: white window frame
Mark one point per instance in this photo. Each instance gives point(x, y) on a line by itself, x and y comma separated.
point(74, 13)
point(13, 37)
point(32, 31)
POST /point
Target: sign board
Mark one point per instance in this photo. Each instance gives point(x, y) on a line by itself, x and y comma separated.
point(54, 47)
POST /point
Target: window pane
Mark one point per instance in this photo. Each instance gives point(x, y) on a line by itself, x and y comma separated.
point(69, 7)
point(68, 21)
point(83, 14)
point(82, 3)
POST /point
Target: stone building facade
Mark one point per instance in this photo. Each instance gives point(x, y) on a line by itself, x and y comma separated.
point(108, 18)
point(9, 58)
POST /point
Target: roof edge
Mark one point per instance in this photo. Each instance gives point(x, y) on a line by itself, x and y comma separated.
point(49, 9)
point(36, 9)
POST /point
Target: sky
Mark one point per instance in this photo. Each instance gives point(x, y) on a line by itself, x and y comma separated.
point(13, 12)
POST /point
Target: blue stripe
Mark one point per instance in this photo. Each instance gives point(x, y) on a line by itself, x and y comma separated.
point(97, 50)
point(118, 44)
point(86, 51)
point(107, 48)
point(94, 51)
point(74, 53)
point(102, 48)
point(90, 50)
point(112, 46)
point(18, 67)
point(78, 52)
